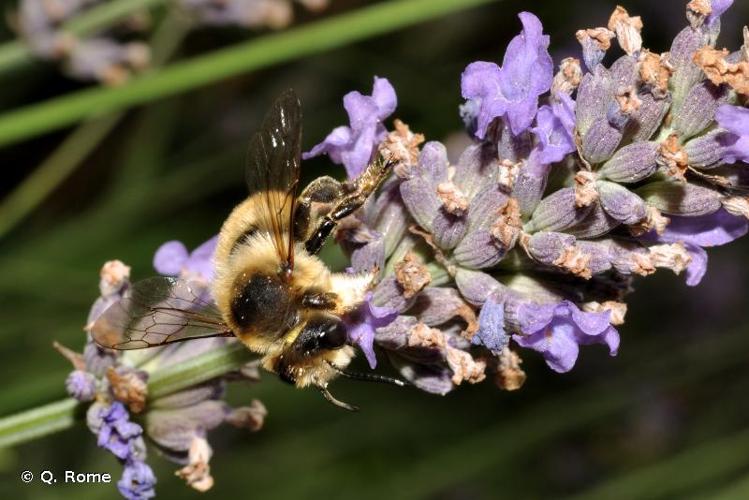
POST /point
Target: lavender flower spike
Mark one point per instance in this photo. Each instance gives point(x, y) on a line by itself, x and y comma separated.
point(736, 142)
point(353, 146)
point(512, 91)
point(557, 331)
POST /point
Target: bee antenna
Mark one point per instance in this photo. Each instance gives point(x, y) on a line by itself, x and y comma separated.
point(340, 404)
point(368, 377)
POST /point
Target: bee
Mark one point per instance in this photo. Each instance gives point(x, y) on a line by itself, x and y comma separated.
point(270, 290)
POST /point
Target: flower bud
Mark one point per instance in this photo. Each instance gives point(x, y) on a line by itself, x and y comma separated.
point(530, 185)
point(557, 212)
point(559, 249)
point(686, 73)
point(593, 98)
point(648, 118)
point(595, 42)
point(476, 286)
point(479, 249)
point(596, 223)
point(389, 293)
point(706, 151)
point(676, 198)
point(601, 140)
point(448, 229)
point(599, 256)
point(632, 163)
point(698, 110)
point(477, 167)
point(420, 197)
point(620, 203)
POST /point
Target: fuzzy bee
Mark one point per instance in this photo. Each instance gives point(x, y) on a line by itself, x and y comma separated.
point(270, 289)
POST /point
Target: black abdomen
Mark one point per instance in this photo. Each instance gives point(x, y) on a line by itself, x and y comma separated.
point(262, 304)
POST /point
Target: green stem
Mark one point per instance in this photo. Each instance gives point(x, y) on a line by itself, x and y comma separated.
point(207, 366)
point(37, 422)
point(61, 415)
point(16, 53)
point(258, 53)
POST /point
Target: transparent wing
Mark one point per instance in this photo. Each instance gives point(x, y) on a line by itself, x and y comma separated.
point(273, 163)
point(158, 311)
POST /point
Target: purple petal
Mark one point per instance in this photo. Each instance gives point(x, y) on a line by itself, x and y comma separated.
point(710, 230)
point(735, 119)
point(719, 7)
point(533, 317)
point(480, 82)
point(609, 337)
point(354, 146)
point(331, 145)
point(169, 258)
point(362, 110)
point(201, 259)
point(512, 91)
point(384, 97)
point(590, 323)
point(558, 346)
point(554, 129)
point(697, 266)
point(361, 327)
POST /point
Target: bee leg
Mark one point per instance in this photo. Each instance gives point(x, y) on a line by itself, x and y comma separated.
point(320, 300)
point(361, 189)
point(317, 199)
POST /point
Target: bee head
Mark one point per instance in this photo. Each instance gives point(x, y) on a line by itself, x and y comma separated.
point(322, 332)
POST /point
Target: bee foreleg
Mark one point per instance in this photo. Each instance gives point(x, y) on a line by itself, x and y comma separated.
point(361, 188)
point(320, 300)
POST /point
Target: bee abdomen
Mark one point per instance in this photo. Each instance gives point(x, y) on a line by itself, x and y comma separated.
point(260, 304)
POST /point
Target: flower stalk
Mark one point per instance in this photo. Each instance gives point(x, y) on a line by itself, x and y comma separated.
point(60, 415)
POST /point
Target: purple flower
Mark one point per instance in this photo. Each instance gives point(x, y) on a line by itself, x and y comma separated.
point(137, 481)
point(361, 326)
point(554, 129)
point(719, 7)
point(511, 91)
point(172, 259)
point(697, 233)
point(736, 142)
point(116, 431)
point(353, 146)
point(81, 385)
point(491, 333)
point(557, 331)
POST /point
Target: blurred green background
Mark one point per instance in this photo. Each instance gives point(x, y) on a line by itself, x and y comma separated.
point(667, 418)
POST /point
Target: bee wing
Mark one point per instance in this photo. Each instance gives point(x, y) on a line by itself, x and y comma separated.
point(273, 163)
point(158, 311)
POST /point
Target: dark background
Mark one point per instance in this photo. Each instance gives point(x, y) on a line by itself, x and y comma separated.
point(667, 418)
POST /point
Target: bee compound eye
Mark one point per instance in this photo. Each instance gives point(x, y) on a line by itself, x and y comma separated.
point(321, 333)
point(333, 336)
